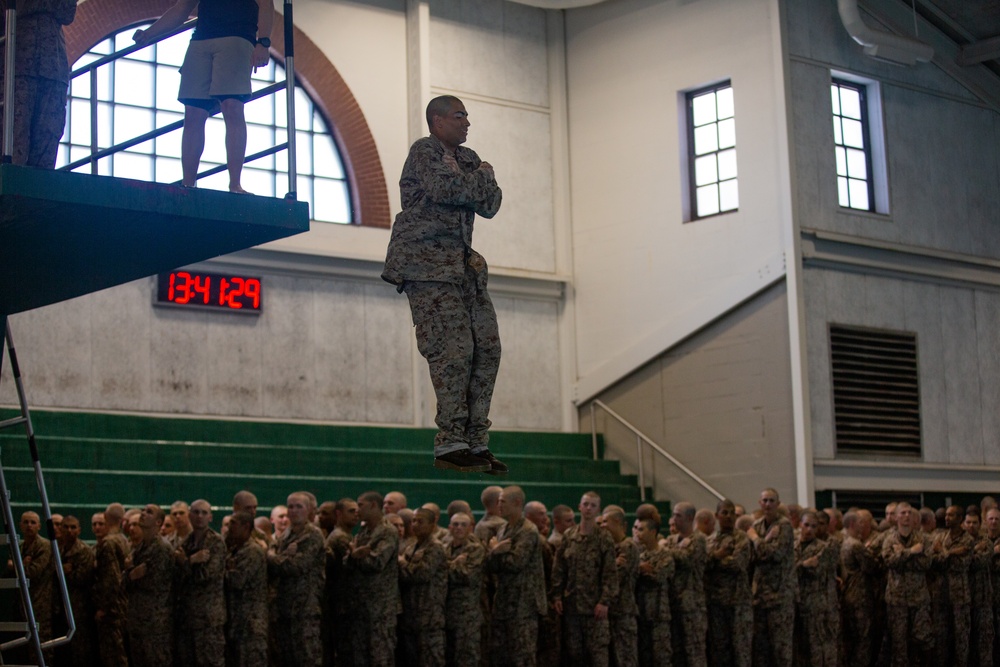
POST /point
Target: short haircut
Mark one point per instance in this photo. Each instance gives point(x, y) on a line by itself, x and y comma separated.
point(851, 518)
point(372, 497)
point(562, 512)
point(687, 510)
point(650, 523)
point(158, 514)
point(771, 490)
point(811, 513)
point(178, 504)
point(458, 506)
point(342, 504)
point(70, 518)
point(242, 518)
point(426, 513)
point(462, 515)
point(514, 493)
point(725, 502)
point(490, 496)
point(592, 494)
point(615, 515)
point(439, 106)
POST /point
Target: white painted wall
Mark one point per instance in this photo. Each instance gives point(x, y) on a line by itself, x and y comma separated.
point(641, 274)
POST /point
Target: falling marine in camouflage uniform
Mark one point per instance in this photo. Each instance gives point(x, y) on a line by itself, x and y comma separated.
point(430, 257)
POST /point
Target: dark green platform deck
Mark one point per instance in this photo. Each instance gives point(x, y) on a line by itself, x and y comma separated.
point(64, 234)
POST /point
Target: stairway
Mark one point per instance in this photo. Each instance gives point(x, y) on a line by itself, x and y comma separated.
point(94, 459)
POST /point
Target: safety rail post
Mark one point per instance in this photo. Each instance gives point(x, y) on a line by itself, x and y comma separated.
point(293, 176)
point(8, 84)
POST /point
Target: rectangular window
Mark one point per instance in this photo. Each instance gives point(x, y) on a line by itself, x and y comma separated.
point(852, 145)
point(711, 139)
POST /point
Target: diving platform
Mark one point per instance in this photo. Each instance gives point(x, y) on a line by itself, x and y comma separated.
point(66, 234)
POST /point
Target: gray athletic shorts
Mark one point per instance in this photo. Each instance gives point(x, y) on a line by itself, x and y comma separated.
point(216, 69)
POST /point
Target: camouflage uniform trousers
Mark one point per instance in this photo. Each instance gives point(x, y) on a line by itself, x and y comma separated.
point(549, 640)
point(655, 647)
point(373, 643)
point(420, 646)
point(586, 640)
point(462, 645)
point(513, 642)
point(730, 633)
point(111, 642)
point(39, 119)
point(299, 643)
point(250, 651)
point(624, 651)
point(155, 650)
point(201, 647)
point(951, 634)
point(690, 628)
point(983, 635)
point(911, 636)
point(457, 332)
point(856, 634)
point(772, 634)
point(812, 646)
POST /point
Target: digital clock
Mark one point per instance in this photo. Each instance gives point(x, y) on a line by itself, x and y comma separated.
point(216, 291)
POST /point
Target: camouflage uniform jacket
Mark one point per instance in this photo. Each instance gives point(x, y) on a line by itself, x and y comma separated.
point(857, 568)
point(906, 572)
point(432, 236)
point(628, 572)
point(488, 527)
point(109, 592)
point(520, 575)
point(299, 575)
point(652, 591)
point(813, 580)
point(40, 572)
point(423, 583)
point(246, 591)
point(688, 591)
point(80, 578)
point(150, 599)
point(584, 573)
point(726, 579)
point(199, 587)
point(41, 48)
point(338, 596)
point(376, 575)
point(994, 542)
point(980, 585)
point(954, 568)
point(774, 580)
point(465, 584)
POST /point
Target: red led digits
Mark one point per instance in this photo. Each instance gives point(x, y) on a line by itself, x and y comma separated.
point(183, 287)
point(253, 291)
point(211, 290)
point(202, 285)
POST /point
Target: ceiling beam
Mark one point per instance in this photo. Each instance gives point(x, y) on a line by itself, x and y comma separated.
point(981, 51)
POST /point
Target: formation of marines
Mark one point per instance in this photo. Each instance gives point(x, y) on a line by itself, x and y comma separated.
point(372, 582)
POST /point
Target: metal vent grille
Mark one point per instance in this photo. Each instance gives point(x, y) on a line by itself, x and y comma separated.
point(876, 401)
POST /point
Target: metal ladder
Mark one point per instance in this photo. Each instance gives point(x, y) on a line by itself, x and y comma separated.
point(20, 581)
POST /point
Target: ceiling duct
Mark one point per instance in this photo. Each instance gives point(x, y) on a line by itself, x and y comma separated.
point(882, 45)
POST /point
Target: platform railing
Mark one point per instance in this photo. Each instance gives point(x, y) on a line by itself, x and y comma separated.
point(91, 70)
point(641, 439)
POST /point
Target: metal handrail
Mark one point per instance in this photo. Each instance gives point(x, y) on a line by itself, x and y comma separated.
point(640, 438)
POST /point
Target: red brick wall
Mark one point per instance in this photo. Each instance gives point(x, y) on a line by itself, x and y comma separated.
point(96, 19)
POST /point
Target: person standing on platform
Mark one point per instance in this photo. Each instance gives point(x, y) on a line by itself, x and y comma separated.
point(444, 185)
point(41, 79)
point(231, 38)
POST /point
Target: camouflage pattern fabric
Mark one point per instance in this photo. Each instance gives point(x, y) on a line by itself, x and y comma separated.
point(584, 572)
point(423, 588)
point(463, 607)
point(150, 618)
point(951, 610)
point(375, 582)
point(246, 606)
point(623, 651)
point(812, 633)
point(520, 575)
point(774, 585)
point(908, 602)
point(728, 597)
point(513, 642)
point(857, 567)
point(652, 594)
point(687, 599)
point(981, 616)
point(338, 602)
point(78, 563)
point(109, 599)
point(298, 574)
point(199, 589)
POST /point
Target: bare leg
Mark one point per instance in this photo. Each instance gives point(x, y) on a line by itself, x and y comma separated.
point(236, 141)
point(192, 143)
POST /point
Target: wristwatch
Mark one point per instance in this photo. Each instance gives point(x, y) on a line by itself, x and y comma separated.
point(265, 42)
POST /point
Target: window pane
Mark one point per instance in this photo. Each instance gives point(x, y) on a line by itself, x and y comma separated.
point(169, 144)
point(729, 196)
point(104, 126)
point(850, 103)
point(859, 194)
point(133, 83)
point(727, 133)
point(841, 161)
point(171, 51)
point(853, 133)
point(130, 165)
point(168, 80)
point(327, 162)
point(838, 135)
point(303, 111)
point(703, 109)
point(856, 167)
point(835, 96)
point(708, 200)
point(103, 83)
point(259, 139)
point(705, 170)
point(842, 193)
point(727, 164)
point(258, 181)
point(724, 102)
point(79, 117)
point(168, 170)
point(130, 123)
point(280, 109)
point(303, 149)
point(331, 201)
point(260, 111)
point(706, 139)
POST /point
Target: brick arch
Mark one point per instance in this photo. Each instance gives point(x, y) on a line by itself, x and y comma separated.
point(96, 19)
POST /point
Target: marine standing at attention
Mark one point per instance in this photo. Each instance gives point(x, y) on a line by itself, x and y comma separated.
point(430, 257)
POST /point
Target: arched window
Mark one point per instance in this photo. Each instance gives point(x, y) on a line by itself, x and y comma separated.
point(139, 93)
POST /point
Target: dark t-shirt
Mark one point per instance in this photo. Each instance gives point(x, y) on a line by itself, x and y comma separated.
point(226, 18)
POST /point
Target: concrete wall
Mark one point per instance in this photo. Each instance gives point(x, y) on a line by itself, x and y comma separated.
point(645, 278)
point(720, 402)
point(335, 342)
